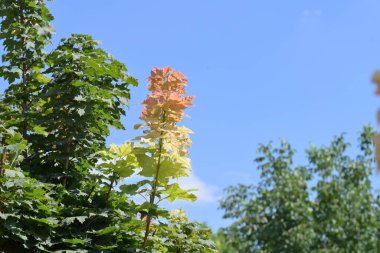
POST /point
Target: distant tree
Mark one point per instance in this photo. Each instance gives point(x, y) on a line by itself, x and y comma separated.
point(286, 212)
point(220, 239)
point(344, 212)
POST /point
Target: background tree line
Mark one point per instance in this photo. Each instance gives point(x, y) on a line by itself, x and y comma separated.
point(326, 205)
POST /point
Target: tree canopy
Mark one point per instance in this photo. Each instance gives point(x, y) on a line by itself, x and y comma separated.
point(327, 205)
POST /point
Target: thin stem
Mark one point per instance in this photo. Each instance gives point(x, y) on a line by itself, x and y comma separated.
point(90, 193)
point(113, 179)
point(3, 157)
point(15, 158)
point(142, 195)
point(162, 199)
point(24, 88)
point(155, 185)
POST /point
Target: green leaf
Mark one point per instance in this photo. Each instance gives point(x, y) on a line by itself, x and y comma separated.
point(40, 130)
point(123, 168)
point(133, 189)
point(148, 165)
point(70, 220)
point(75, 241)
point(81, 111)
point(174, 191)
point(107, 230)
point(42, 79)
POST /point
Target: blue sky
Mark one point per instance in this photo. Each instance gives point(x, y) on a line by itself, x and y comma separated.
point(260, 71)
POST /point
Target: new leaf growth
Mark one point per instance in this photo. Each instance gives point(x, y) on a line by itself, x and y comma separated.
point(166, 158)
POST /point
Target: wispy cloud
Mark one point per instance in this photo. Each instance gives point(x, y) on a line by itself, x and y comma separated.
point(312, 12)
point(205, 192)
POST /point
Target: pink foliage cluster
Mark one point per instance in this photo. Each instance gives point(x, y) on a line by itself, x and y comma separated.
point(164, 107)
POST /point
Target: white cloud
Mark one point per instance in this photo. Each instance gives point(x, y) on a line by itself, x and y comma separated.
point(205, 192)
point(312, 12)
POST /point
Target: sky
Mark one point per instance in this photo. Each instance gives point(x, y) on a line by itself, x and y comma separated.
point(260, 71)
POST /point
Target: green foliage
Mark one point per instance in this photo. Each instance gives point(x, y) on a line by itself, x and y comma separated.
point(86, 96)
point(345, 213)
point(220, 239)
point(25, 31)
point(326, 206)
point(180, 236)
point(61, 189)
point(27, 208)
point(28, 215)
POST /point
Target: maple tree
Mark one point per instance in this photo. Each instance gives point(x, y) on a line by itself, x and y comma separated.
point(61, 188)
point(25, 31)
point(85, 96)
point(159, 155)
